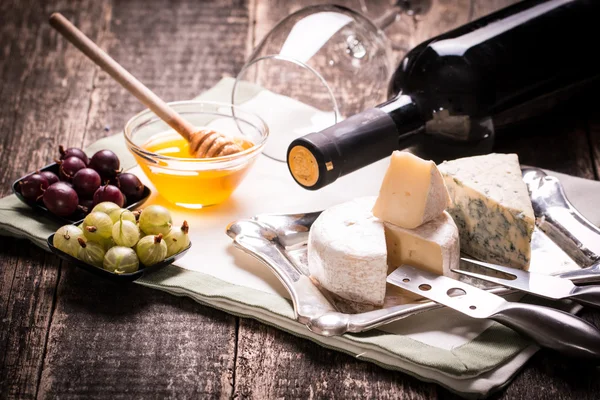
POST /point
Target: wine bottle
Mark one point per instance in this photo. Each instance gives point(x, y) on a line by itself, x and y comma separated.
point(451, 93)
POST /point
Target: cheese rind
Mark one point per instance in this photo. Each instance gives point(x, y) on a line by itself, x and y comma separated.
point(433, 246)
point(347, 252)
point(492, 208)
point(412, 192)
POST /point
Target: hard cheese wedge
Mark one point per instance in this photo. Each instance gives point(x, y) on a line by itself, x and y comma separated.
point(492, 208)
point(347, 253)
point(412, 192)
point(433, 246)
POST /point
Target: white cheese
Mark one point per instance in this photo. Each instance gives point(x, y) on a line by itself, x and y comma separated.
point(491, 207)
point(347, 252)
point(412, 192)
point(434, 246)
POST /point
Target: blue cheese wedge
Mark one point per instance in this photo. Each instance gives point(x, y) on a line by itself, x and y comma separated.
point(491, 207)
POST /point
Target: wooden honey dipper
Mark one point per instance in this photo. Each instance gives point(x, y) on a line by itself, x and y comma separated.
point(203, 143)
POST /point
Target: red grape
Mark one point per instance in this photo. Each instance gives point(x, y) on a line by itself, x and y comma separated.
point(73, 152)
point(86, 181)
point(69, 167)
point(86, 205)
point(50, 177)
point(61, 199)
point(109, 193)
point(106, 163)
point(33, 186)
point(131, 186)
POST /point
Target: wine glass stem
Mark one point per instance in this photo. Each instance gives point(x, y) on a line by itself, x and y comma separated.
point(407, 7)
point(388, 18)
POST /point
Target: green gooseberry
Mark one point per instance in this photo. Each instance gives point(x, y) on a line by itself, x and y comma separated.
point(151, 249)
point(121, 260)
point(177, 239)
point(66, 239)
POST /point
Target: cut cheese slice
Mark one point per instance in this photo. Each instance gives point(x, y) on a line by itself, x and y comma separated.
point(491, 207)
point(433, 246)
point(347, 253)
point(412, 192)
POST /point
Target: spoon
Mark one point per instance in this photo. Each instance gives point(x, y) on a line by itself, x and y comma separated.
point(203, 142)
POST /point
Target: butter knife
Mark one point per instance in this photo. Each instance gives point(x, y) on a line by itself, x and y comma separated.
point(547, 286)
point(548, 327)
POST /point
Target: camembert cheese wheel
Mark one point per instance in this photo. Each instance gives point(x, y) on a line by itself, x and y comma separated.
point(349, 249)
point(347, 252)
point(412, 192)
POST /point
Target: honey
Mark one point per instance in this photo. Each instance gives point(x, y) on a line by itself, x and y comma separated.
point(190, 182)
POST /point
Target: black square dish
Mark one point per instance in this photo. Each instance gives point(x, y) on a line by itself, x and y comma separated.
point(111, 275)
point(77, 215)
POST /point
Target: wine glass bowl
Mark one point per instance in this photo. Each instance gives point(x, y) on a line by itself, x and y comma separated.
point(318, 65)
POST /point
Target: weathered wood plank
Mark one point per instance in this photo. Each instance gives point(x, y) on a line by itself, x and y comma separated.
point(45, 92)
point(443, 16)
point(27, 283)
point(45, 86)
point(117, 341)
point(480, 8)
point(274, 364)
point(178, 49)
point(549, 376)
point(120, 341)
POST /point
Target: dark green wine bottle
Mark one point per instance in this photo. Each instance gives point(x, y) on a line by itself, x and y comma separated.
point(450, 94)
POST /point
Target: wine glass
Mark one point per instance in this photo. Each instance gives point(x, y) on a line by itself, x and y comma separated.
point(316, 67)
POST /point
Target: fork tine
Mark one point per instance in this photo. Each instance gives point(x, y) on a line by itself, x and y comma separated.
point(495, 267)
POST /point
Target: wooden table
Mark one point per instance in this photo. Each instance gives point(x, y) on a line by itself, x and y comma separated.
point(64, 335)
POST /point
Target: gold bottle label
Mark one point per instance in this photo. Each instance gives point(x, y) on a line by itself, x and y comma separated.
point(304, 166)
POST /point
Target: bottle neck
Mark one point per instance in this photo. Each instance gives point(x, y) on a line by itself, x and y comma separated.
point(406, 116)
point(320, 158)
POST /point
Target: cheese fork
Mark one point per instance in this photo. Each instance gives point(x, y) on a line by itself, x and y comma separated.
point(549, 327)
point(547, 286)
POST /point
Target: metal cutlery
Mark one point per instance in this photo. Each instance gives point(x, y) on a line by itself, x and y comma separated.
point(560, 220)
point(589, 274)
point(548, 286)
point(548, 327)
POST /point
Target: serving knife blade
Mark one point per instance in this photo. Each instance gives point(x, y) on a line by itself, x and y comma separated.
point(548, 327)
point(547, 286)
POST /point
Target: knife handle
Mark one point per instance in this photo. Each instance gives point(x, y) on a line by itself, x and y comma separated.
point(553, 329)
point(586, 295)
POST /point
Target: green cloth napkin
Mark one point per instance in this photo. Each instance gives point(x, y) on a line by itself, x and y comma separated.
point(474, 369)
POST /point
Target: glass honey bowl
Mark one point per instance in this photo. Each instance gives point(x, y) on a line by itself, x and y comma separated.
point(181, 178)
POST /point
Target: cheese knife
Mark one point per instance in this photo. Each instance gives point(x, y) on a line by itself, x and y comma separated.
point(548, 327)
point(589, 274)
point(547, 286)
